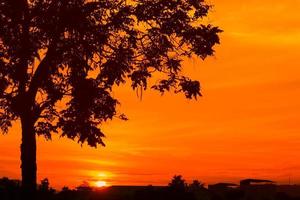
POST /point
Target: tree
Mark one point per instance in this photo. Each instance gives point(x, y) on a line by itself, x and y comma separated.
point(45, 192)
point(178, 184)
point(196, 185)
point(45, 185)
point(60, 60)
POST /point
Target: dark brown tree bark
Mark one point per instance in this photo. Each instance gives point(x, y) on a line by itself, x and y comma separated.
point(28, 157)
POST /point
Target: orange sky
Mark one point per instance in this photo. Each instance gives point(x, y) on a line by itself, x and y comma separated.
point(246, 125)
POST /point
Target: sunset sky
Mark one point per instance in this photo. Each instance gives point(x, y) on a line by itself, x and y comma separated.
point(247, 124)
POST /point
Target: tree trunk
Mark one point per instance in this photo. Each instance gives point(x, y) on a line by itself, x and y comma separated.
point(28, 158)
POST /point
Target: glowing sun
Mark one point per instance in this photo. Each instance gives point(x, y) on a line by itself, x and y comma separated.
point(100, 184)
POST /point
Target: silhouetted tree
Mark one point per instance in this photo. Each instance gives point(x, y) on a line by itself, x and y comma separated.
point(9, 189)
point(197, 189)
point(45, 192)
point(196, 185)
point(44, 186)
point(65, 189)
point(179, 189)
point(59, 61)
point(178, 183)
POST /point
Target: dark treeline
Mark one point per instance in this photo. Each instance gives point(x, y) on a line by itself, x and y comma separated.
point(177, 189)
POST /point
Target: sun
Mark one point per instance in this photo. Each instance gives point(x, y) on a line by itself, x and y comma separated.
point(100, 184)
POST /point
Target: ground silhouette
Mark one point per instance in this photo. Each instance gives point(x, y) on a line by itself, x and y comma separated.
point(177, 189)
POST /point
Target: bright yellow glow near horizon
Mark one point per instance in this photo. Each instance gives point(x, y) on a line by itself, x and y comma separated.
point(100, 184)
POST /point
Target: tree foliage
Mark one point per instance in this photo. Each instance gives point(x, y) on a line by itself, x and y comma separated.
point(60, 59)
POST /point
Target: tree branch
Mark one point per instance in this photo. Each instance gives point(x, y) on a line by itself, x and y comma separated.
point(40, 74)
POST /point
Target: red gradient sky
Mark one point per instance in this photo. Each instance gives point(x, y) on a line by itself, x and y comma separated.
point(246, 125)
